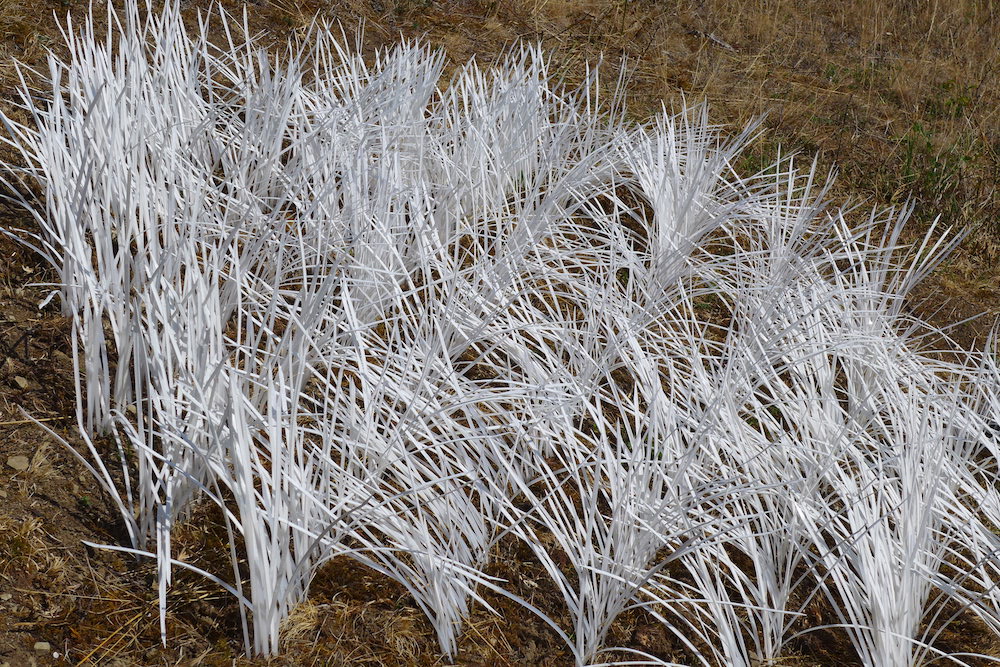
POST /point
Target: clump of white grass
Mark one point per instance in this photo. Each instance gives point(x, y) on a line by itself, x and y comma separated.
point(374, 314)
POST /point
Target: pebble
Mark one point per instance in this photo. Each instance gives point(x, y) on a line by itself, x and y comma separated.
point(5, 596)
point(18, 463)
point(21, 381)
point(42, 647)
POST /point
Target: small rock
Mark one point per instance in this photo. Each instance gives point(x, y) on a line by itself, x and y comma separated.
point(18, 463)
point(42, 647)
point(5, 596)
point(21, 381)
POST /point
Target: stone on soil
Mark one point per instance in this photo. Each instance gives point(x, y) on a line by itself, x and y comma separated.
point(18, 463)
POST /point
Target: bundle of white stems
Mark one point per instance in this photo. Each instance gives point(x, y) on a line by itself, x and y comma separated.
point(373, 312)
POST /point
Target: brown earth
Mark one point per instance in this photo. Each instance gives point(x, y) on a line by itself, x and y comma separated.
point(901, 96)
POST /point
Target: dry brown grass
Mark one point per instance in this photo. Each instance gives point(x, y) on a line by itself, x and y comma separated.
point(902, 96)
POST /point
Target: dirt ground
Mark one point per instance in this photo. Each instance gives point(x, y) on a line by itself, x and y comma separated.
point(901, 96)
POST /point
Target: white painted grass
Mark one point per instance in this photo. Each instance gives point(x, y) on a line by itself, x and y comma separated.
point(368, 312)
